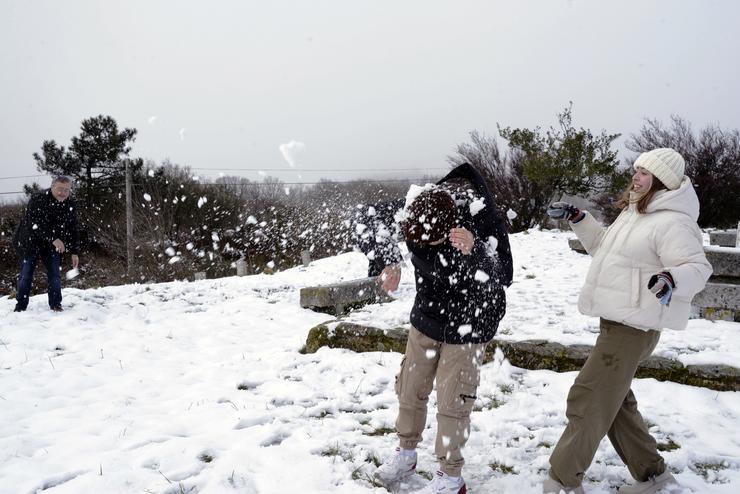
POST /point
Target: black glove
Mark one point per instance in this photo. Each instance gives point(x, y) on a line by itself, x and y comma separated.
point(662, 286)
point(563, 211)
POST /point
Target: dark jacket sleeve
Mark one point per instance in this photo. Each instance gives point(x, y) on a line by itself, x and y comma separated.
point(374, 233)
point(37, 224)
point(489, 262)
point(71, 229)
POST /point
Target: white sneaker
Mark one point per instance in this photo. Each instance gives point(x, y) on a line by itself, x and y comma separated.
point(396, 468)
point(653, 484)
point(443, 484)
point(552, 486)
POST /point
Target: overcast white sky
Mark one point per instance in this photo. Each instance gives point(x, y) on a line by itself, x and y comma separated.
point(364, 84)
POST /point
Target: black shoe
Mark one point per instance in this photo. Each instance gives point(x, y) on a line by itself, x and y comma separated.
point(57, 309)
point(18, 309)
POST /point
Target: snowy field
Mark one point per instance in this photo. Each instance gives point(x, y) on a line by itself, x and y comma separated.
point(199, 388)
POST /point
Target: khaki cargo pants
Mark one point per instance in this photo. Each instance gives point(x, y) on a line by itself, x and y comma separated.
point(457, 371)
point(600, 403)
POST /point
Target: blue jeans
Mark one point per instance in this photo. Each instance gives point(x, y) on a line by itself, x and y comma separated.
point(52, 261)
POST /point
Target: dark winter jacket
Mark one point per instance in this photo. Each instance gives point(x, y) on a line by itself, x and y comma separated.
point(44, 221)
point(459, 298)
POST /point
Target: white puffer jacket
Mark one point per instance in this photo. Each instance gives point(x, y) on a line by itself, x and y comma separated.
point(637, 246)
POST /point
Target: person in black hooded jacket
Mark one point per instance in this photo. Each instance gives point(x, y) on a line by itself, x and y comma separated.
point(47, 229)
point(460, 251)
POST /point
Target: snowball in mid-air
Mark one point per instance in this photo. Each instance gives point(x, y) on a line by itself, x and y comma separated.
point(291, 151)
point(481, 276)
point(476, 206)
point(464, 329)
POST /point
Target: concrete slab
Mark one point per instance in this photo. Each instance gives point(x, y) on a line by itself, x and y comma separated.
point(723, 238)
point(339, 298)
point(528, 354)
point(724, 260)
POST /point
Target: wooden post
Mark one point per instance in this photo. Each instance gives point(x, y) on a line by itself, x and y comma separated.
point(129, 222)
point(241, 267)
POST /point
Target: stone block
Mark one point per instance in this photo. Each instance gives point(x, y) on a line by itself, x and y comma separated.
point(576, 245)
point(725, 261)
point(723, 238)
point(339, 298)
point(714, 314)
point(355, 337)
point(528, 354)
point(719, 295)
point(241, 267)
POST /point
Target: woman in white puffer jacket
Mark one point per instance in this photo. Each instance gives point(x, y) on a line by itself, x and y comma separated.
point(646, 268)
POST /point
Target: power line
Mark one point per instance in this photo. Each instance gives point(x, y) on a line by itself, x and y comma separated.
point(325, 182)
point(22, 176)
point(264, 184)
point(299, 170)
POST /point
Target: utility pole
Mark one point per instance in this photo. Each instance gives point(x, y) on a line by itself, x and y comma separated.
point(129, 222)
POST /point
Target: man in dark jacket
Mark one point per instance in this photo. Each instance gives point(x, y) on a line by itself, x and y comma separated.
point(47, 230)
point(462, 262)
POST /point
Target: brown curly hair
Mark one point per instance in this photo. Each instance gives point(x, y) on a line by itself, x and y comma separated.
point(430, 217)
point(643, 202)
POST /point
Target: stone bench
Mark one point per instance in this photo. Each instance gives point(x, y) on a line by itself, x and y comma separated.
point(723, 238)
point(528, 354)
point(725, 261)
point(339, 298)
point(720, 299)
point(576, 245)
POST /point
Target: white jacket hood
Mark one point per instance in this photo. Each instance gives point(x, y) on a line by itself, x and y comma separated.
point(682, 200)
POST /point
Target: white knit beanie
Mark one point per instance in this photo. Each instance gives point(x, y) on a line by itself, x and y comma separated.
point(665, 164)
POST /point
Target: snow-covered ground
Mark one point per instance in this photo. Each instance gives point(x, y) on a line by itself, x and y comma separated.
point(199, 387)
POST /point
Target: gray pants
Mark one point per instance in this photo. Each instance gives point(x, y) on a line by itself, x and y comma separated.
point(457, 371)
point(600, 403)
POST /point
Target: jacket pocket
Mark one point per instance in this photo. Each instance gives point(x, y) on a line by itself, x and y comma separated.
point(461, 395)
point(635, 289)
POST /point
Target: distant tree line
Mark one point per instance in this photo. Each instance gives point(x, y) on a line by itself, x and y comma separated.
point(183, 225)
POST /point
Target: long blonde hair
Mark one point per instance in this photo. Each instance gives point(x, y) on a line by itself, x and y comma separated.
point(643, 202)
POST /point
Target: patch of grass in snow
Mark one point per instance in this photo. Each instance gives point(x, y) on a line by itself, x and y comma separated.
point(373, 459)
point(336, 451)
point(669, 445)
point(359, 473)
point(544, 444)
point(487, 403)
point(425, 474)
point(711, 471)
point(380, 431)
point(530, 276)
point(180, 488)
point(506, 388)
point(502, 467)
point(206, 457)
